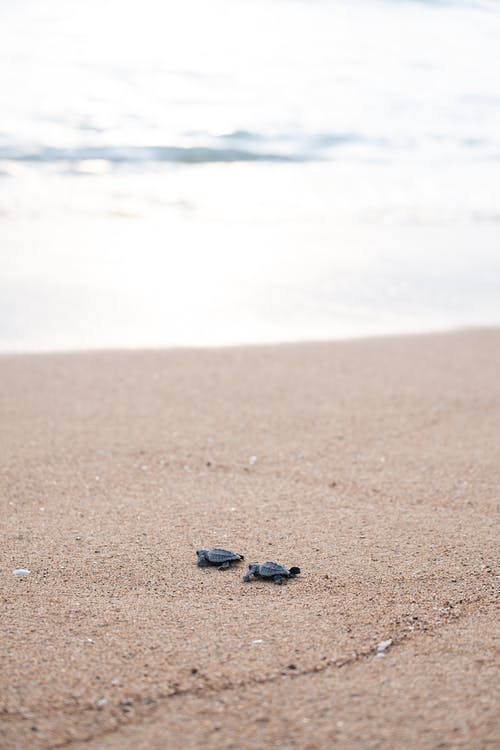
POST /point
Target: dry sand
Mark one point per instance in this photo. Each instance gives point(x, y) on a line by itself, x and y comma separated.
point(377, 471)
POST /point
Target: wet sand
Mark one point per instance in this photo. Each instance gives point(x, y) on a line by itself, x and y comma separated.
point(374, 465)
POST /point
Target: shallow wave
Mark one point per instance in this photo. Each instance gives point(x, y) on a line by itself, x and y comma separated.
point(143, 154)
point(236, 146)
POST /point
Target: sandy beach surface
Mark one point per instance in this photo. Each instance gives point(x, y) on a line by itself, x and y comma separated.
point(374, 465)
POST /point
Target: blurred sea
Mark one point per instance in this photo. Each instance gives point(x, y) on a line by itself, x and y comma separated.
point(236, 171)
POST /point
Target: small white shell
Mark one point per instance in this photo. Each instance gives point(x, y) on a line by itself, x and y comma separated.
point(383, 646)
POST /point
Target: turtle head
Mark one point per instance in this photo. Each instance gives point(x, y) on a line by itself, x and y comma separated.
point(202, 554)
point(253, 569)
point(294, 571)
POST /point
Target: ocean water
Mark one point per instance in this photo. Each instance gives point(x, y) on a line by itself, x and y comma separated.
point(241, 171)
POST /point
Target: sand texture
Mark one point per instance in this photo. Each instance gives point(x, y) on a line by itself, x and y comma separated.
point(376, 470)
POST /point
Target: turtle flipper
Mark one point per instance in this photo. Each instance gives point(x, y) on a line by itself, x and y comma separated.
point(278, 580)
point(224, 565)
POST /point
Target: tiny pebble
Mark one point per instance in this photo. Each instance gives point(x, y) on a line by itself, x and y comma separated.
point(252, 460)
point(21, 572)
point(258, 640)
point(101, 702)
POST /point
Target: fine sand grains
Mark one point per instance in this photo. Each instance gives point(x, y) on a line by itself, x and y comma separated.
point(373, 465)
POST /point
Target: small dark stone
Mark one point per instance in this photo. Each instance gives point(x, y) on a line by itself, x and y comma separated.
point(194, 670)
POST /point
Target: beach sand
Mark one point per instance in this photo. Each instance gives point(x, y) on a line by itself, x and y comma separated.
point(374, 465)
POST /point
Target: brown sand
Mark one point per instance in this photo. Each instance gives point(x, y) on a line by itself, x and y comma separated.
point(378, 467)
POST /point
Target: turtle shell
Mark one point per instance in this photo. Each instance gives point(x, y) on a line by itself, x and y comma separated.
point(222, 555)
point(270, 569)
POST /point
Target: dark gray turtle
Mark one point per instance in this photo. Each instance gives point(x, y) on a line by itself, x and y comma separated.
point(220, 557)
point(272, 570)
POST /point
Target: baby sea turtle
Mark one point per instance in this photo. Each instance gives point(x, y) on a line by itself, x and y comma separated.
point(270, 570)
point(220, 557)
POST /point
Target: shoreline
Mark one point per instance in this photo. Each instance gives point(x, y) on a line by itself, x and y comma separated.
point(368, 337)
point(370, 463)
